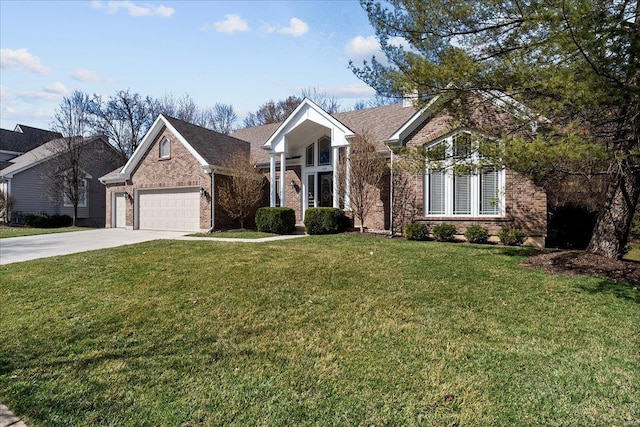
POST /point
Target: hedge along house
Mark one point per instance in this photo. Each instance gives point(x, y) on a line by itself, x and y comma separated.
point(170, 181)
point(309, 144)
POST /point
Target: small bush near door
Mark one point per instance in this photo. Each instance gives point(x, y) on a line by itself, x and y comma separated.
point(444, 232)
point(416, 231)
point(276, 220)
point(476, 234)
point(324, 221)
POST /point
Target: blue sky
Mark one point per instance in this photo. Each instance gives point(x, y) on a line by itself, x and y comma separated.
point(242, 53)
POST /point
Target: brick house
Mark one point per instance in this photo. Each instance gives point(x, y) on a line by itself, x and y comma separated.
point(308, 144)
point(170, 181)
point(300, 158)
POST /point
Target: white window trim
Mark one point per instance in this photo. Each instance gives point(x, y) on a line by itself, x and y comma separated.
point(165, 142)
point(449, 187)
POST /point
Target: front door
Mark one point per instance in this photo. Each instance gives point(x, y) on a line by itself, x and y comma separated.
point(325, 180)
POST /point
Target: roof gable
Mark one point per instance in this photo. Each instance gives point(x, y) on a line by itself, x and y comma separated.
point(208, 147)
point(25, 138)
point(39, 155)
point(307, 111)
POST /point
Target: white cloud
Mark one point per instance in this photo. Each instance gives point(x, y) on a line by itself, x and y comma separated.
point(134, 10)
point(360, 48)
point(232, 24)
point(56, 88)
point(356, 90)
point(21, 59)
point(296, 28)
point(35, 96)
point(84, 75)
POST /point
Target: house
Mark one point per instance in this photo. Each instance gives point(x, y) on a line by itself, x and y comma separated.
point(20, 140)
point(310, 142)
point(27, 177)
point(171, 180)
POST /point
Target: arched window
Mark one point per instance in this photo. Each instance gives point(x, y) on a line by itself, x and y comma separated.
point(165, 148)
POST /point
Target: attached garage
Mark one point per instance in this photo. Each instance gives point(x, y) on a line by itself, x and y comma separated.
point(176, 209)
point(119, 210)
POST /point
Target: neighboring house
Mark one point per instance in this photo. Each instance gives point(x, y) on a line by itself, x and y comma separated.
point(309, 143)
point(171, 180)
point(168, 182)
point(27, 176)
point(20, 140)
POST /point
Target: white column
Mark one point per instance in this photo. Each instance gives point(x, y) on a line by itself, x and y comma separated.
point(283, 178)
point(336, 187)
point(347, 177)
point(272, 183)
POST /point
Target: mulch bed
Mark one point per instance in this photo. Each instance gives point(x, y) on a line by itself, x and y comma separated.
point(573, 262)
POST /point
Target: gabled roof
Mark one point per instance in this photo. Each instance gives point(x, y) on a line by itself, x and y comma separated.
point(379, 122)
point(25, 138)
point(210, 148)
point(36, 156)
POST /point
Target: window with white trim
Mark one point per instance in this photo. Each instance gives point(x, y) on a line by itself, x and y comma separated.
point(82, 194)
point(165, 148)
point(460, 186)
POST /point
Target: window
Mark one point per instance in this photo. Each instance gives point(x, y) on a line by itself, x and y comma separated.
point(82, 194)
point(309, 155)
point(472, 192)
point(165, 148)
point(324, 151)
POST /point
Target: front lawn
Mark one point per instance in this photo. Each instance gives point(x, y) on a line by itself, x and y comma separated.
point(243, 234)
point(6, 232)
point(325, 330)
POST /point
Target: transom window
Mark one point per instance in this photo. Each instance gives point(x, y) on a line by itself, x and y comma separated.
point(165, 148)
point(474, 190)
point(323, 153)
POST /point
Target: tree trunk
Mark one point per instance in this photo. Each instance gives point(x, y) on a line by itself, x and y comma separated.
point(75, 213)
point(611, 233)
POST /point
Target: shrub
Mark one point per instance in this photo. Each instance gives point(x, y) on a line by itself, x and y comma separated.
point(444, 232)
point(324, 221)
point(476, 234)
point(276, 220)
point(415, 231)
point(37, 220)
point(56, 221)
point(511, 236)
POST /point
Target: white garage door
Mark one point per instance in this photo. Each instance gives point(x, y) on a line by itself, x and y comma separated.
point(173, 209)
point(120, 211)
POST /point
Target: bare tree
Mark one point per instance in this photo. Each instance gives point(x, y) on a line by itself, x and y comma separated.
point(241, 191)
point(325, 101)
point(272, 112)
point(220, 117)
point(66, 158)
point(364, 168)
point(123, 118)
point(404, 200)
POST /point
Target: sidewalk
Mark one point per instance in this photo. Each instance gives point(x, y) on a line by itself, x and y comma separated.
point(8, 418)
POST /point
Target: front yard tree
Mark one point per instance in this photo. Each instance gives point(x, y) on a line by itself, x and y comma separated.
point(240, 192)
point(576, 63)
point(221, 118)
point(65, 172)
point(363, 168)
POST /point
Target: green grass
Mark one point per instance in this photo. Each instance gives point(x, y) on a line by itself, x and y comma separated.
point(6, 232)
point(326, 330)
point(235, 234)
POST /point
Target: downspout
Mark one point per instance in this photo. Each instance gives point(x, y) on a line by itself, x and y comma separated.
point(212, 195)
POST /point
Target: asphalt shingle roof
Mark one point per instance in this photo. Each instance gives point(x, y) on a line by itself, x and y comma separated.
point(214, 147)
point(379, 122)
point(26, 140)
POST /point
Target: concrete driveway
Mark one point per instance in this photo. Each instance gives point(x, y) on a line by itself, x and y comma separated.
point(17, 249)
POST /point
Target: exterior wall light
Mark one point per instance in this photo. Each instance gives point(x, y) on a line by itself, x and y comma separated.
point(203, 192)
point(127, 196)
